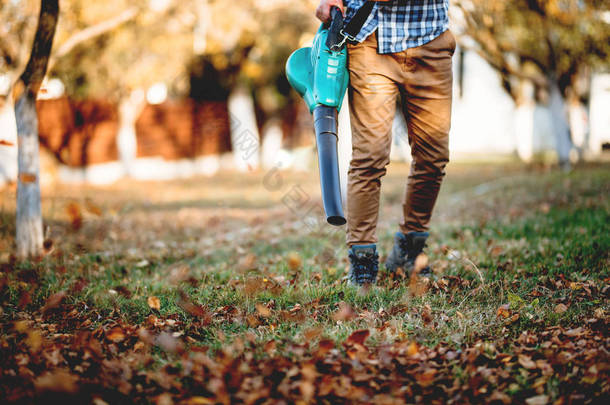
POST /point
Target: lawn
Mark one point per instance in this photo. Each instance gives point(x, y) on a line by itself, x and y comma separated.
point(233, 290)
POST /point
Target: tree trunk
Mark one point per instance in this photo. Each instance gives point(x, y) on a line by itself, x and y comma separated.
point(29, 214)
point(561, 129)
point(127, 143)
point(245, 139)
point(524, 121)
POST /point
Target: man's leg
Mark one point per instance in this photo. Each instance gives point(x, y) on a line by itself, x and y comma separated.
point(372, 102)
point(427, 109)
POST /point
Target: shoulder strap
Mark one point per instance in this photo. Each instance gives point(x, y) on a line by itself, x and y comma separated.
point(353, 27)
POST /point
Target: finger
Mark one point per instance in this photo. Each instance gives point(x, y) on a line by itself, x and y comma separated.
point(323, 13)
point(339, 4)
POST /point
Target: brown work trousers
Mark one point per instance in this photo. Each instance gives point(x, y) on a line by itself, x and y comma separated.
point(423, 77)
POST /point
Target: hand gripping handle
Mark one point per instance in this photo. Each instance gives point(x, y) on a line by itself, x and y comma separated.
point(335, 38)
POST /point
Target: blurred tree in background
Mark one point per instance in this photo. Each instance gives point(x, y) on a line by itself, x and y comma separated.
point(553, 44)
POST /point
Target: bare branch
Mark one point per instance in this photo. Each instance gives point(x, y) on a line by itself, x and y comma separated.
point(94, 31)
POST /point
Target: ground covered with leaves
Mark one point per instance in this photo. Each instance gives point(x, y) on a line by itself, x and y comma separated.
point(231, 290)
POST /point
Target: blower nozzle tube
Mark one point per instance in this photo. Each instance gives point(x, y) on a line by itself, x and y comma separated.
point(325, 124)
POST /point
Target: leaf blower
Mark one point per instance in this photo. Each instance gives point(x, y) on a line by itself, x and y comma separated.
point(319, 74)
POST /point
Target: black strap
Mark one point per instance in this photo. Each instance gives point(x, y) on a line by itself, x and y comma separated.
point(353, 27)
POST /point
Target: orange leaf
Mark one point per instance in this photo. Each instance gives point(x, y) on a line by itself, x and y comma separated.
point(116, 334)
point(526, 362)
point(76, 218)
point(358, 337)
point(92, 208)
point(413, 349)
point(503, 311)
point(154, 303)
point(324, 346)
point(294, 261)
point(4, 142)
point(426, 378)
point(263, 311)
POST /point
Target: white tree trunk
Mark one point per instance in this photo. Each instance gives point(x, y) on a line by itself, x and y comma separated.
point(524, 122)
point(29, 213)
point(245, 139)
point(561, 129)
point(272, 145)
point(579, 126)
point(129, 111)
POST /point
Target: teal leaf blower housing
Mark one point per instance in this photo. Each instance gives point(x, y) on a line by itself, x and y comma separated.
point(319, 74)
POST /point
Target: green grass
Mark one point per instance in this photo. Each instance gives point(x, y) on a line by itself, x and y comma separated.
point(529, 237)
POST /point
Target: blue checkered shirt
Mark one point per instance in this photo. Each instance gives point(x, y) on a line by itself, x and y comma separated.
point(402, 24)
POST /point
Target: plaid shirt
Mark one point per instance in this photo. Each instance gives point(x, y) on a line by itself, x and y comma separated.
point(402, 24)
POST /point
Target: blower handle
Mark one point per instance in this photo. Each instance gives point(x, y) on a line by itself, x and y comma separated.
point(335, 37)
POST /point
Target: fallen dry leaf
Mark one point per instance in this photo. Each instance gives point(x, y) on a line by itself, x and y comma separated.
point(344, 313)
point(538, 400)
point(413, 349)
point(294, 261)
point(527, 362)
point(358, 337)
point(116, 334)
point(53, 301)
point(75, 215)
point(503, 311)
point(263, 311)
point(57, 381)
point(92, 208)
point(154, 303)
point(560, 308)
point(4, 142)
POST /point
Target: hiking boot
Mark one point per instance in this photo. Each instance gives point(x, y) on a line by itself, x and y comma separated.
point(364, 264)
point(406, 249)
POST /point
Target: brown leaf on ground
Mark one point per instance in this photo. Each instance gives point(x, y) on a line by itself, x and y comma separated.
point(560, 308)
point(53, 301)
point(263, 311)
point(4, 142)
point(74, 214)
point(358, 337)
point(116, 334)
point(169, 343)
point(526, 362)
point(198, 311)
point(92, 208)
point(57, 381)
point(270, 347)
point(426, 378)
point(294, 261)
point(538, 400)
point(248, 262)
point(324, 346)
point(426, 314)
point(25, 298)
point(503, 311)
point(413, 349)
point(154, 303)
point(344, 313)
point(312, 333)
